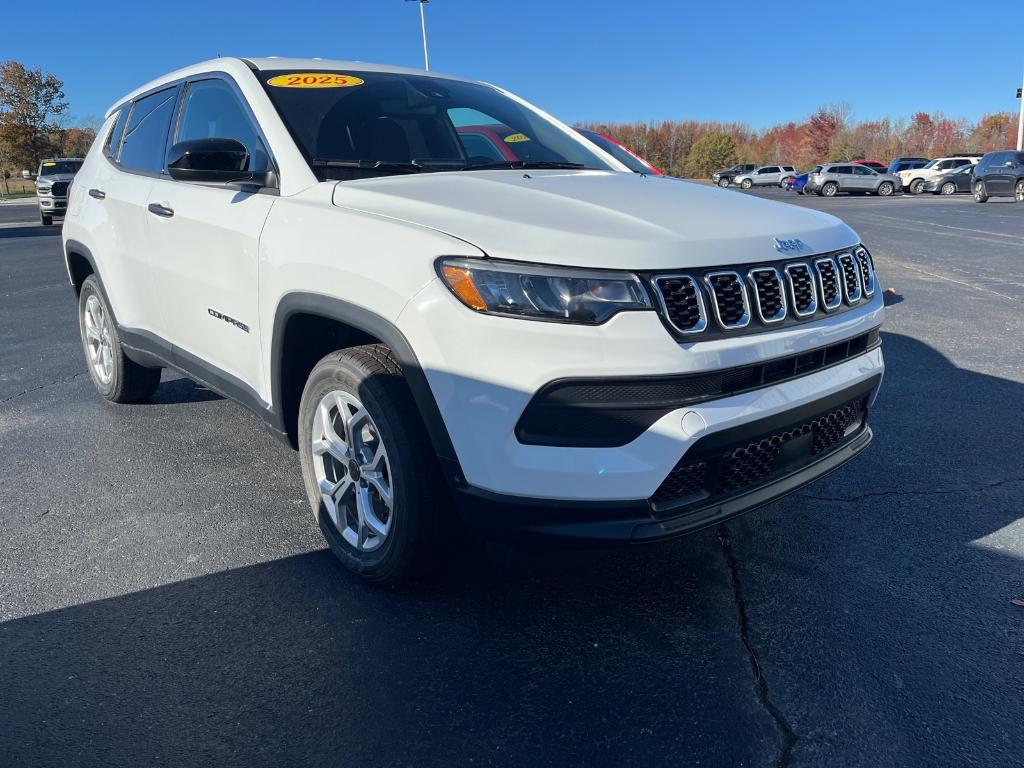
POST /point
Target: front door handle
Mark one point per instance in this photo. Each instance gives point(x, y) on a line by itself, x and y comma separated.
point(161, 210)
point(99, 194)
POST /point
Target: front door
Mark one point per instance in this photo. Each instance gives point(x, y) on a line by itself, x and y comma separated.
point(205, 244)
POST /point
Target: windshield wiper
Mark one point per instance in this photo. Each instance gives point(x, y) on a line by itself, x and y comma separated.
point(525, 164)
point(374, 165)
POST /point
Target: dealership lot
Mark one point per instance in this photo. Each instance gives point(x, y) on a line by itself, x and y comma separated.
point(165, 597)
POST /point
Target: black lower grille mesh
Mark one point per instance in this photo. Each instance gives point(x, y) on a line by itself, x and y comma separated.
point(803, 287)
point(743, 467)
point(727, 293)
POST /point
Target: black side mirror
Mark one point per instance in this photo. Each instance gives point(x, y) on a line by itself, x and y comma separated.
point(215, 160)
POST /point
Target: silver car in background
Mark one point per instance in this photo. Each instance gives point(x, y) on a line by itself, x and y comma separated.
point(764, 176)
point(832, 178)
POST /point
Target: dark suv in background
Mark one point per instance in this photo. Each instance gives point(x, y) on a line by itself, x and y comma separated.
point(999, 174)
point(907, 164)
point(724, 177)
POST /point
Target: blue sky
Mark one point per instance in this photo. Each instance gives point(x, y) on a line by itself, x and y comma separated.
point(755, 62)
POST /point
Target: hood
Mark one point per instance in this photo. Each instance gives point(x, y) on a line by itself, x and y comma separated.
point(596, 218)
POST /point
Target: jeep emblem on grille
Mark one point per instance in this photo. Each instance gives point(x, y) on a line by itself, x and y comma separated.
point(789, 246)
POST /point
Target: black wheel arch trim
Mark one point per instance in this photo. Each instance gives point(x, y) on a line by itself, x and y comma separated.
point(368, 322)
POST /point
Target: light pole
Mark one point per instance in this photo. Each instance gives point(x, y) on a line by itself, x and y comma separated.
point(423, 25)
point(1020, 119)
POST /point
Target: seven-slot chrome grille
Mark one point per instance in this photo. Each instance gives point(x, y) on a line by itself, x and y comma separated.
point(756, 296)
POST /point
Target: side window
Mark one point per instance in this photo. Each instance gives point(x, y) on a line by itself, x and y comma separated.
point(787, 168)
point(211, 110)
point(114, 139)
point(142, 148)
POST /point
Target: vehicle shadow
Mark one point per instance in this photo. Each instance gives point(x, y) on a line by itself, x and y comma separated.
point(626, 657)
point(175, 391)
point(29, 230)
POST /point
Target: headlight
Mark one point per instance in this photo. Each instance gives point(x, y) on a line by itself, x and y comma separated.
point(587, 296)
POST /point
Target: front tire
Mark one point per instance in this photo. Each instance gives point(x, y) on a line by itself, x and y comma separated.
point(885, 189)
point(829, 189)
point(1018, 191)
point(746, 184)
point(723, 183)
point(116, 377)
point(980, 193)
point(368, 465)
point(917, 186)
point(45, 220)
point(948, 188)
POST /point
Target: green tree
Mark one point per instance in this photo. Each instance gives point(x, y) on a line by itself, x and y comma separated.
point(709, 153)
point(31, 103)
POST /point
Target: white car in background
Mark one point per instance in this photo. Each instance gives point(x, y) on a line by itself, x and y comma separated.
point(534, 344)
point(914, 179)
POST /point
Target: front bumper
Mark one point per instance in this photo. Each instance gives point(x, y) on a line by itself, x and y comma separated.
point(53, 205)
point(485, 370)
point(643, 520)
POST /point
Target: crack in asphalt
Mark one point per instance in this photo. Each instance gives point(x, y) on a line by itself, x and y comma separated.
point(934, 492)
point(786, 732)
point(65, 380)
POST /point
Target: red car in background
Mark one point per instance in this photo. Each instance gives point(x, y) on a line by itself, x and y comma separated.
point(873, 164)
point(497, 143)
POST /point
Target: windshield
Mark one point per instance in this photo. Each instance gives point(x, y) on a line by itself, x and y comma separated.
point(356, 124)
point(617, 151)
point(55, 167)
point(931, 164)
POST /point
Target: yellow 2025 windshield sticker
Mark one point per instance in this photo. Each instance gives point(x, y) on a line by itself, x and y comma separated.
point(314, 80)
point(515, 138)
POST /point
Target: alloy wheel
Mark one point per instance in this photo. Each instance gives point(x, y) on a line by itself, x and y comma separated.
point(1019, 192)
point(948, 188)
point(917, 187)
point(885, 189)
point(829, 190)
point(99, 347)
point(352, 471)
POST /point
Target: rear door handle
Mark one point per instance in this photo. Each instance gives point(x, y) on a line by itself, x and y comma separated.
point(99, 194)
point(161, 210)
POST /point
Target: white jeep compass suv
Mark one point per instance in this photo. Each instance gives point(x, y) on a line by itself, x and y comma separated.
point(527, 333)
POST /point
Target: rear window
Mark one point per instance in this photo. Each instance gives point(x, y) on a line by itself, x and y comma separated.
point(355, 124)
point(114, 139)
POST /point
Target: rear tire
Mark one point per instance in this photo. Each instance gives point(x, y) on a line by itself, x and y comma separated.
point(361, 434)
point(980, 193)
point(829, 189)
point(1018, 191)
point(116, 377)
point(885, 189)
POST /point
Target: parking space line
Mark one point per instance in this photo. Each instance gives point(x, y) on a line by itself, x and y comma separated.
point(950, 226)
point(948, 279)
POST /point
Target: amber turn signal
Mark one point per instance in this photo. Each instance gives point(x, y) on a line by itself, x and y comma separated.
point(462, 285)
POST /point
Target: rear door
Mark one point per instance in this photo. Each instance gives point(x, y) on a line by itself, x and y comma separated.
point(205, 242)
point(119, 193)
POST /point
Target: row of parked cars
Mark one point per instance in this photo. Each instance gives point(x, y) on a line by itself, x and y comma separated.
point(984, 175)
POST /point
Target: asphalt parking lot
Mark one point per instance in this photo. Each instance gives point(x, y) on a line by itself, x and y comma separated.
point(165, 598)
